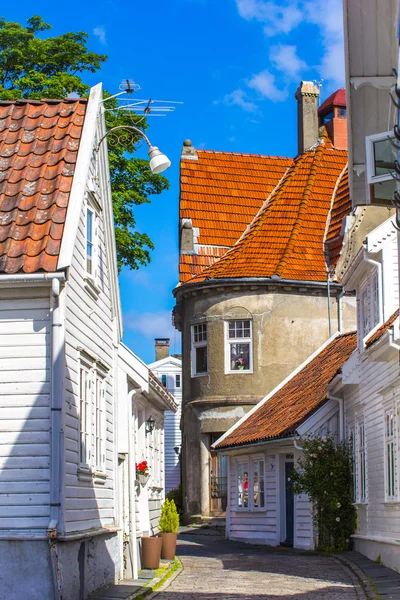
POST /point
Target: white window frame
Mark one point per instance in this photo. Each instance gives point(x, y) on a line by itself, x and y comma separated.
point(242, 467)
point(370, 300)
point(93, 242)
point(92, 416)
point(390, 452)
point(237, 340)
point(371, 178)
point(199, 344)
point(361, 462)
point(261, 486)
point(353, 447)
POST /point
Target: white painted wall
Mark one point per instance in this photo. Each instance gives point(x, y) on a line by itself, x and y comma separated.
point(24, 411)
point(173, 437)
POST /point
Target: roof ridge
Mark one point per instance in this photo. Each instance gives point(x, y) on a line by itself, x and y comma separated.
point(243, 154)
point(318, 153)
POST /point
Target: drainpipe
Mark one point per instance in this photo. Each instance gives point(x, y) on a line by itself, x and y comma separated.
point(341, 415)
point(328, 286)
point(132, 484)
point(378, 265)
point(56, 391)
point(296, 445)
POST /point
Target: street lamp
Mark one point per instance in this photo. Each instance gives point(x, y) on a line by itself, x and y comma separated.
point(159, 162)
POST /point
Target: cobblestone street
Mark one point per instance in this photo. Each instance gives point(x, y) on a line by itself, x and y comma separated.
point(215, 569)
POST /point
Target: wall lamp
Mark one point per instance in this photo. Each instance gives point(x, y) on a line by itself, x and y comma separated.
point(150, 424)
point(159, 162)
point(177, 450)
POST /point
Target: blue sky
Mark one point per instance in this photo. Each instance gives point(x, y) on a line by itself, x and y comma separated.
point(236, 65)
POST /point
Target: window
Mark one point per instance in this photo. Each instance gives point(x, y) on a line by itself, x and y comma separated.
point(90, 226)
point(327, 117)
point(353, 463)
point(362, 464)
point(243, 485)
point(177, 381)
point(390, 462)
point(92, 451)
point(369, 304)
point(164, 380)
point(199, 349)
point(380, 159)
point(258, 484)
point(341, 112)
point(238, 347)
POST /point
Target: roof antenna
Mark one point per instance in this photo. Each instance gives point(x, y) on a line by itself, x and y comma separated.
point(145, 107)
point(319, 83)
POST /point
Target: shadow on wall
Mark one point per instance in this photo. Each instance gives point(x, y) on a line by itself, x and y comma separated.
point(31, 566)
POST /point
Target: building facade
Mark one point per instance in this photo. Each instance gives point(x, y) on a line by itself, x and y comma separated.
point(168, 369)
point(254, 278)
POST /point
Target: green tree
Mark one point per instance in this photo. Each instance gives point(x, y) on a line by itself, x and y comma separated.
point(52, 67)
point(324, 473)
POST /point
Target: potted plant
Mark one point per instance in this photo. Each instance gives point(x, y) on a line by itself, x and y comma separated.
point(169, 524)
point(142, 472)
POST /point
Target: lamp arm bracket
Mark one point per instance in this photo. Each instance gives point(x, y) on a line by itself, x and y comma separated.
point(124, 128)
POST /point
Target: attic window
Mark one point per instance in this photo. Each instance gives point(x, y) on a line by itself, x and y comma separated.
point(380, 162)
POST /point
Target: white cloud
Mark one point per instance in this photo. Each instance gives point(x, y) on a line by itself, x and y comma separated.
point(285, 59)
point(279, 17)
point(100, 33)
point(150, 324)
point(264, 84)
point(240, 98)
point(284, 16)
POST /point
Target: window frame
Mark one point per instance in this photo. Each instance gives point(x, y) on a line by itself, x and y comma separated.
point(93, 241)
point(391, 440)
point(242, 467)
point(370, 178)
point(198, 344)
point(371, 290)
point(362, 463)
point(228, 342)
point(85, 409)
point(178, 387)
point(261, 477)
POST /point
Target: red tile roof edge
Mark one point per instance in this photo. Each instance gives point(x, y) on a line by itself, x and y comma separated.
point(225, 153)
point(382, 329)
point(290, 429)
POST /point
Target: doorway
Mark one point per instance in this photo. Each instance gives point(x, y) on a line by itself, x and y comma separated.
point(218, 481)
point(289, 504)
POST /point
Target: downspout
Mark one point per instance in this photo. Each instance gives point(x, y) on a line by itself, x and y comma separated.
point(341, 415)
point(328, 286)
point(56, 391)
point(132, 484)
point(296, 445)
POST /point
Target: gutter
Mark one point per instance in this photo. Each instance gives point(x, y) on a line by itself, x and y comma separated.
point(30, 278)
point(253, 280)
point(244, 446)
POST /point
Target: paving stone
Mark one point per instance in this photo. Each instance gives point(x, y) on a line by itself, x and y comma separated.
point(216, 569)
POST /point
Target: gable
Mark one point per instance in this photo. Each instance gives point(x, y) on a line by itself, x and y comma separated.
point(39, 143)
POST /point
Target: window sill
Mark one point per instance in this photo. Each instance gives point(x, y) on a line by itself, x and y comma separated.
point(250, 510)
point(240, 372)
point(199, 375)
point(91, 287)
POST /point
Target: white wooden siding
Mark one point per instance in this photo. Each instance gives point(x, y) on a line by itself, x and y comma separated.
point(25, 410)
point(89, 326)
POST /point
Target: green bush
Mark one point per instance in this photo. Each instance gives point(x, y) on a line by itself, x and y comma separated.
point(169, 520)
point(324, 473)
point(176, 496)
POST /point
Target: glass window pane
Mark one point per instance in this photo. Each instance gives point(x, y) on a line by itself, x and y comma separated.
point(384, 157)
point(262, 485)
point(89, 257)
point(240, 357)
point(245, 489)
point(164, 380)
point(256, 485)
point(177, 381)
point(201, 359)
point(89, 225)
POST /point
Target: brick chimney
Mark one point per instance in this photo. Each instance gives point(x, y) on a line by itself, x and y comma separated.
point(307, 118)
point(162, 348)
point(332, 116)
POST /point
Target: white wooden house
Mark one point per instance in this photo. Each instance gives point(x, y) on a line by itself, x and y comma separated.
point(369, 386)
point(60, 330)
point(169, 371)
point(142, 408)
point(264, 446)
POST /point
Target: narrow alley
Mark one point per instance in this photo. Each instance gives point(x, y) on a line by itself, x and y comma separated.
point(216, 569)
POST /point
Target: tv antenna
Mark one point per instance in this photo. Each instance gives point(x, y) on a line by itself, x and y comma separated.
point(148, 107)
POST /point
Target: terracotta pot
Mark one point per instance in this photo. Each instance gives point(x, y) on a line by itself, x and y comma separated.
point(168, 545)
point(151, 552)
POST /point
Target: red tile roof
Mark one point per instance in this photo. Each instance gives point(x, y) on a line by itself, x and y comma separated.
point(338, 98)
point(282, 413)
point(39, 142)
point(382, 329)
point(340, 209)
point(287, 236)
point(221, 192)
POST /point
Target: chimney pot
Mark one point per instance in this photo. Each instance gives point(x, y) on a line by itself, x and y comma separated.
point(307, 116)
point(162, 348)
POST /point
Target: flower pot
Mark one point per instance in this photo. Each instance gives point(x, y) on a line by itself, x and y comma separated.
point(168, 545)
point(151, 552)
point(142, 479)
